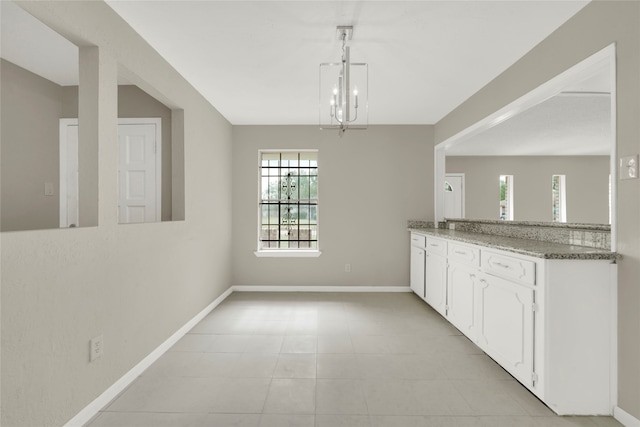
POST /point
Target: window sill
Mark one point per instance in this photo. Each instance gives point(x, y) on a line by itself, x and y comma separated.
point(288, 254)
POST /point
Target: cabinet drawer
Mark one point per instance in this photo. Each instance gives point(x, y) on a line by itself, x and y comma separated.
point(464, 254)
point(418, 240)
point(509, 267)
point(437, 246)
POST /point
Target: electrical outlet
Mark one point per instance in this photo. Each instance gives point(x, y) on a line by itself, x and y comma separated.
point(347, 268)
point(96, 348)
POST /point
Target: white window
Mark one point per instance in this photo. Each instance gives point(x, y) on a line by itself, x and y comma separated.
point(288, 205)
point(559, 198)
point(506, 197)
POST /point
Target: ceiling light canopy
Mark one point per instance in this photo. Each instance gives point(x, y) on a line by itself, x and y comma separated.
point(344, 90)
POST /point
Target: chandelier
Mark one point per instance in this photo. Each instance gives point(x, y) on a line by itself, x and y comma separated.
point(343, 90)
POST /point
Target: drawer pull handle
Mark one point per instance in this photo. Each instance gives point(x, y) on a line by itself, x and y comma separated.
point(434, 245)
point(460, 252)
point(499, 264)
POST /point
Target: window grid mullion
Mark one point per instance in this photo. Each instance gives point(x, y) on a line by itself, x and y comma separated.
point(292, 202)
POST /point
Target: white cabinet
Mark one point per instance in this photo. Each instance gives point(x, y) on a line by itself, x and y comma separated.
point(548, 322)
point(436, 282)
point(462, 277)
point(461, 289)
point(505, 312)
point(505, 325)
point(510, 267)
point(417, 270)
point(464, 254)
point(436, 246)
point(436, 274)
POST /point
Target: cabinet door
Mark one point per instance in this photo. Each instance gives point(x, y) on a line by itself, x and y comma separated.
point(417, 271)
point(505, 325)
point(436, 282)
point(461, 310)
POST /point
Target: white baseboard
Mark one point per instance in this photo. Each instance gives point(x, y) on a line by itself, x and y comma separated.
point(625, 418)
point(109, 394)
point(251, 288)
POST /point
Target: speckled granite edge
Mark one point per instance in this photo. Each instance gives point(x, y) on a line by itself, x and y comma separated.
point(568, 236)
point(420, 224)
point(569, 225)
point(530, 247)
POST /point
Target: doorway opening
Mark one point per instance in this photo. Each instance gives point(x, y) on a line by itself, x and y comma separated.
point(139, 171)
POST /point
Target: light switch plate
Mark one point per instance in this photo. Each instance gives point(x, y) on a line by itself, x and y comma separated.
point(48, 188)
point(629, 167)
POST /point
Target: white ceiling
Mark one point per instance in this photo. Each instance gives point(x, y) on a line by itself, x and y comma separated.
point(27, 42)
point(257, 61)
point(568, 124)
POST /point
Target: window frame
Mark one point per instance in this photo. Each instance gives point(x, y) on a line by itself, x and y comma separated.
point(285, 252)
point(508, 179)
point(559, 195)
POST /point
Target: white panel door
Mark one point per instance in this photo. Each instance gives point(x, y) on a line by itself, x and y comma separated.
point(505, 325)
point(138, 173)
point(454, 195)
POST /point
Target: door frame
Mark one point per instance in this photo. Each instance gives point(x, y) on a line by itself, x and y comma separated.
point(63, 193)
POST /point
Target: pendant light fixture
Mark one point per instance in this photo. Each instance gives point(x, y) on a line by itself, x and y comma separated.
point(344, 90)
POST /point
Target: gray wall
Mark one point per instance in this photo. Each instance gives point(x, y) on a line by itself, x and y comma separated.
point(136, 284)
point(370, 183)
point(587, 185)
point(596, 26)
point(31, 109)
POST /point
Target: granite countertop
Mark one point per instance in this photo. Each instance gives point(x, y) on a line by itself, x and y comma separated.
point(534, 248)
point(570, 225)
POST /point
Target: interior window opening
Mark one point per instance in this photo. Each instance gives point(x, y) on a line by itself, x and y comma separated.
point(150, 154)
point(37, 141)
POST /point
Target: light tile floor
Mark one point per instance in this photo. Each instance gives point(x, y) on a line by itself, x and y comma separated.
point(328, 360)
